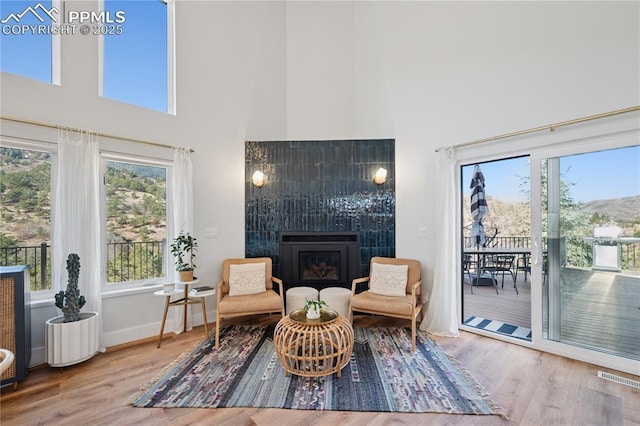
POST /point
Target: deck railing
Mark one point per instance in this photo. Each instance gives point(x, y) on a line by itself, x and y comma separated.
point(126, 261)
point(129, 261)
point(579, 250)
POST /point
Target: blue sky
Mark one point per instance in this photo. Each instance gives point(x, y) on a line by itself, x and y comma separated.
point(135, 60)
point(599, 175)
point(136, 72)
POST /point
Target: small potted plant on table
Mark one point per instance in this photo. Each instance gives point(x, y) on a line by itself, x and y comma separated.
point(312, 308)
point(184, 249)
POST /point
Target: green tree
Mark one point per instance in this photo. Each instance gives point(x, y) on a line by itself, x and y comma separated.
point(7, 240)
point(575, 222)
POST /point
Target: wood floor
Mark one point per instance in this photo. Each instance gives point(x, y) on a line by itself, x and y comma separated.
point(534, 388)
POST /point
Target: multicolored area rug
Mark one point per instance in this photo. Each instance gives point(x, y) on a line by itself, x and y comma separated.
point(383, 375)
point(499, 327)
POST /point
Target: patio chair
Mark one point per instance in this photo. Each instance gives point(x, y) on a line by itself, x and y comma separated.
point(394, 289)
point(467, 264)
point(500, 264)
point(523, 264)
point(246, 288)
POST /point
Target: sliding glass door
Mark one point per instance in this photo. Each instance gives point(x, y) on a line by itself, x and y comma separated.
point(496, 242)
point(590, 250)
point(576, 285)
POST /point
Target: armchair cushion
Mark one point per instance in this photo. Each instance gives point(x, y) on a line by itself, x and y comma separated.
point(245, 279)
point(238, 305)
point(388, 280)
point(367, 302)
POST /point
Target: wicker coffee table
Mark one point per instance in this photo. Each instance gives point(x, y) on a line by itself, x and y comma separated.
point(313, 347)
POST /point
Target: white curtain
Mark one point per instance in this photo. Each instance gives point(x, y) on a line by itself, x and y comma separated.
point(442, 313)
point(76, 216)
point(182, 216)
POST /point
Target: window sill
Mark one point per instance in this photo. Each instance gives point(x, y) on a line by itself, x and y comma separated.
point(40, 303)
point(134, 290)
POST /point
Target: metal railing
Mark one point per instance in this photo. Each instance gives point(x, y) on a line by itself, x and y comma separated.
point(129, 261)
point(126, 261)
point(37, 257)
point(579, 250)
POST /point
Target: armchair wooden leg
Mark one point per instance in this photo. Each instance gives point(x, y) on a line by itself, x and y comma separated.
point(413, 333)
point(204, 318)
point(217, 329)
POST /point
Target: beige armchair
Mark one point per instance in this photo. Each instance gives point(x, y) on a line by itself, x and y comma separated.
point(388, 296)
point(246, 288)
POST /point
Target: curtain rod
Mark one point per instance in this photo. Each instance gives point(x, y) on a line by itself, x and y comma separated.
point(550, 127)
point(75, 129)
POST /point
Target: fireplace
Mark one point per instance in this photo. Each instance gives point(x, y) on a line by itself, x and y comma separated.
point(319, 259)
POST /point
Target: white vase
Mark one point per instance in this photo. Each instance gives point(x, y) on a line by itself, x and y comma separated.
point(313, 313)
point(69, 343)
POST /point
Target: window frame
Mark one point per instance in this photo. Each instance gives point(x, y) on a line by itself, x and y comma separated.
point(106, 156)
point(609, 133)
point(26, 144)
point(170, 65)
point(56, 49)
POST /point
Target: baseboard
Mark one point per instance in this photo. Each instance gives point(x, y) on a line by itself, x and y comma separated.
point(145, 331)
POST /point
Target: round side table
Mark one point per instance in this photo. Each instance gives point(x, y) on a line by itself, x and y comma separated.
point(189, 298)
point(313, 348)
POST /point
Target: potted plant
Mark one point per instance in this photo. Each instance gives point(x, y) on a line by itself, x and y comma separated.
point(312, 308)
point(184, 249)
point(72, 337)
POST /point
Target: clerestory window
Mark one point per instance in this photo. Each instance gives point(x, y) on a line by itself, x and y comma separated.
point(137, 53)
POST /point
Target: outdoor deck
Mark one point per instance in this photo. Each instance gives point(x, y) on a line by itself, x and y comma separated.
point(507, 306)
point(598, 309)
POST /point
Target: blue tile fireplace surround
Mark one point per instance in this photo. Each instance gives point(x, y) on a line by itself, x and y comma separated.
point(319, 195)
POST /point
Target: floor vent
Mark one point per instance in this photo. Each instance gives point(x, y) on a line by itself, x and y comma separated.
point(618, 379)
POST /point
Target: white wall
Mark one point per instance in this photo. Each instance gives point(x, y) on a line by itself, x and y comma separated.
point(428, 74)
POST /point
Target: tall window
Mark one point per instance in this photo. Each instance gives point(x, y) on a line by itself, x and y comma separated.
point(26, 38)
point(135, 221)
point(25, 210)
point(136, 62)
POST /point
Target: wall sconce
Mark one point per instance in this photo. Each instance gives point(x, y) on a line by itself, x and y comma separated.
point(258, 179)
point(381, 176)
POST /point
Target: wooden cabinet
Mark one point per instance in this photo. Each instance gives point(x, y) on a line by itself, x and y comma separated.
point(15, 320)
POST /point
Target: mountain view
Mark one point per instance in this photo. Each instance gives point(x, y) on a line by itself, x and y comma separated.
point(514, 219)
point(136, 204)
point(135, 200)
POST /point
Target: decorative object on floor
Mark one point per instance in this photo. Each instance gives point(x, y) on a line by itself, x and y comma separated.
point(296, 297)
point(338, 299)
point(313, 347)
point(516, 331)
point(15, 322)
point(184, 248)
point(383, 375)
point(72, 337)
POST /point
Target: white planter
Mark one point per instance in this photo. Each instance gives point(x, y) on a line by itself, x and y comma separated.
point(313, 312)
point(69, 343)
